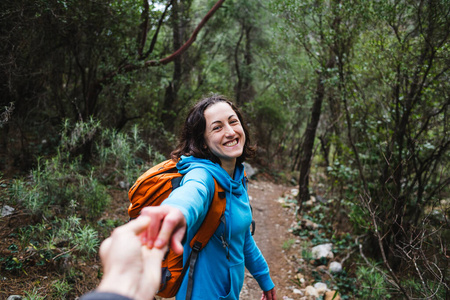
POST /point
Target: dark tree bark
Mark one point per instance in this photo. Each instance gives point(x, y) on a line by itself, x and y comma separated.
point(244, 89)
point(171, 95)
point(308, 143)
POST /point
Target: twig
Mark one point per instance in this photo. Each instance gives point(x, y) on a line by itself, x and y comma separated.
point(383, 254)
point(61, 254)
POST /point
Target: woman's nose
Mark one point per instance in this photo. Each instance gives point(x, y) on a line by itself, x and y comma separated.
point(229, 131)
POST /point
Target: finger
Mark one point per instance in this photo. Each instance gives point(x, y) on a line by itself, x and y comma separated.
point(168, 227)
point(174, 223)
point(177, 238)
point(273, 294)
point(138, 225)
point(157, 214)
point(104, 247)
point(151, 276)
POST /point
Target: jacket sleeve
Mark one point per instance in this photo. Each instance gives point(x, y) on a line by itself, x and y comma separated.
point(103, 296)
point(193, 196)
point(256, 263)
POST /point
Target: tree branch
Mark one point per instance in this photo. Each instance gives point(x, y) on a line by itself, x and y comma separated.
point(189, 42)
point(155, 36)
point(170, 58)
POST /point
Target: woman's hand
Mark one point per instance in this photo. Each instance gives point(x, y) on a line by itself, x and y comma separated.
point(269, 295)
point(129, 268)
point(168, 227)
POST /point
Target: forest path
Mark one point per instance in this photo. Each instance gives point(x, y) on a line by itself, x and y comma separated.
point(272, 225)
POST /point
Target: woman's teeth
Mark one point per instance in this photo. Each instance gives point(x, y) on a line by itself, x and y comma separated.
point(232, 143)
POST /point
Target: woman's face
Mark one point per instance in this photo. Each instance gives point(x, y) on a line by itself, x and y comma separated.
point(224, 135)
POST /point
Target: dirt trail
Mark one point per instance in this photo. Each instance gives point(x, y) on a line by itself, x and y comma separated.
point(272, 224)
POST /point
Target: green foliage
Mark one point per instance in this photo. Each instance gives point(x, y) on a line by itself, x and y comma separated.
point(11, 263)
point(373, 284)
point(78, 135)
point(306, 253)
point(61, 289)
point(46, 239)
point(288, 244)
point(59, 184)
point(346, 285)
point(33, 295)
point(64, 183)
point(87, 240)
point(120, 155)
point(417, 287)
point(63, 192)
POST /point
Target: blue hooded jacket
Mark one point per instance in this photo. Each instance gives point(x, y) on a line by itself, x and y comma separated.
point(219, 271)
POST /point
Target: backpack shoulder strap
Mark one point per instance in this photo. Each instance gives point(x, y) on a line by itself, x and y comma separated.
point(212, 218)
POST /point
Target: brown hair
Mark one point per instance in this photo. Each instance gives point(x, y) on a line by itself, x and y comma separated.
point(192, 139)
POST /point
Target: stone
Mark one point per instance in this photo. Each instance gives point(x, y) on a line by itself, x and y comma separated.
point(323, 250)
point(297, 291)
point(311, 291)
point(300, 278)
point(15, 297)
point(332, 295)
point(321, 288)
point(335, 267)
point(7, 210)
point(124, 185)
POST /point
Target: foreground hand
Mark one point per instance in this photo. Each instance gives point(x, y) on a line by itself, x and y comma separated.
point(130, 269)
point(269, 295)
point(168, 227)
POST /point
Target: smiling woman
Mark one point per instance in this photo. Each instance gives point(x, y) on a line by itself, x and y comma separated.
point(213, 145)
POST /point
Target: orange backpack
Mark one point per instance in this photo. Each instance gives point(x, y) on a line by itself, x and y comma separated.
point(151, 189)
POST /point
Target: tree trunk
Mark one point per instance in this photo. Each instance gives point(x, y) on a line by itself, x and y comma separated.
point(308, 143)
point(172, 89)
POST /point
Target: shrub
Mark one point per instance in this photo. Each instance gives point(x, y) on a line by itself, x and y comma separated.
point(60, 289)
point(33, 295)
point(373, 284)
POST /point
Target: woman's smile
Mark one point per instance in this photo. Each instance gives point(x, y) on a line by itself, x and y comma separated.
point(232, 143)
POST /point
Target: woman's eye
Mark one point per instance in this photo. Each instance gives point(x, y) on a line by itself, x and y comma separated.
point(216, 127)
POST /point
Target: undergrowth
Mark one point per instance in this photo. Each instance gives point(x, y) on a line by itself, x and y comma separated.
point(66, 197)
point(362, 277)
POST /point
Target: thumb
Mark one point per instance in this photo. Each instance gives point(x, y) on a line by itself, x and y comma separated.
point(138, 225)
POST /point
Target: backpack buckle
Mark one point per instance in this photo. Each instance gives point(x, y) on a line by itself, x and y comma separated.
point(197, 246)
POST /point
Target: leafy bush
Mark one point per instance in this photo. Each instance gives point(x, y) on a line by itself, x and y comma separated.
point(33, 295)
point(61, 289)
point(58, 185)
point(373, 284)
point(119, 155)
point(46, 240)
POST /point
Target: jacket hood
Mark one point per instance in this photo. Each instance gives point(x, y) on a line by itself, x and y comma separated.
point(187, 163)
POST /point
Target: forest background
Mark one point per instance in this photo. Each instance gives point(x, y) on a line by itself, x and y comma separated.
point(349, 100)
